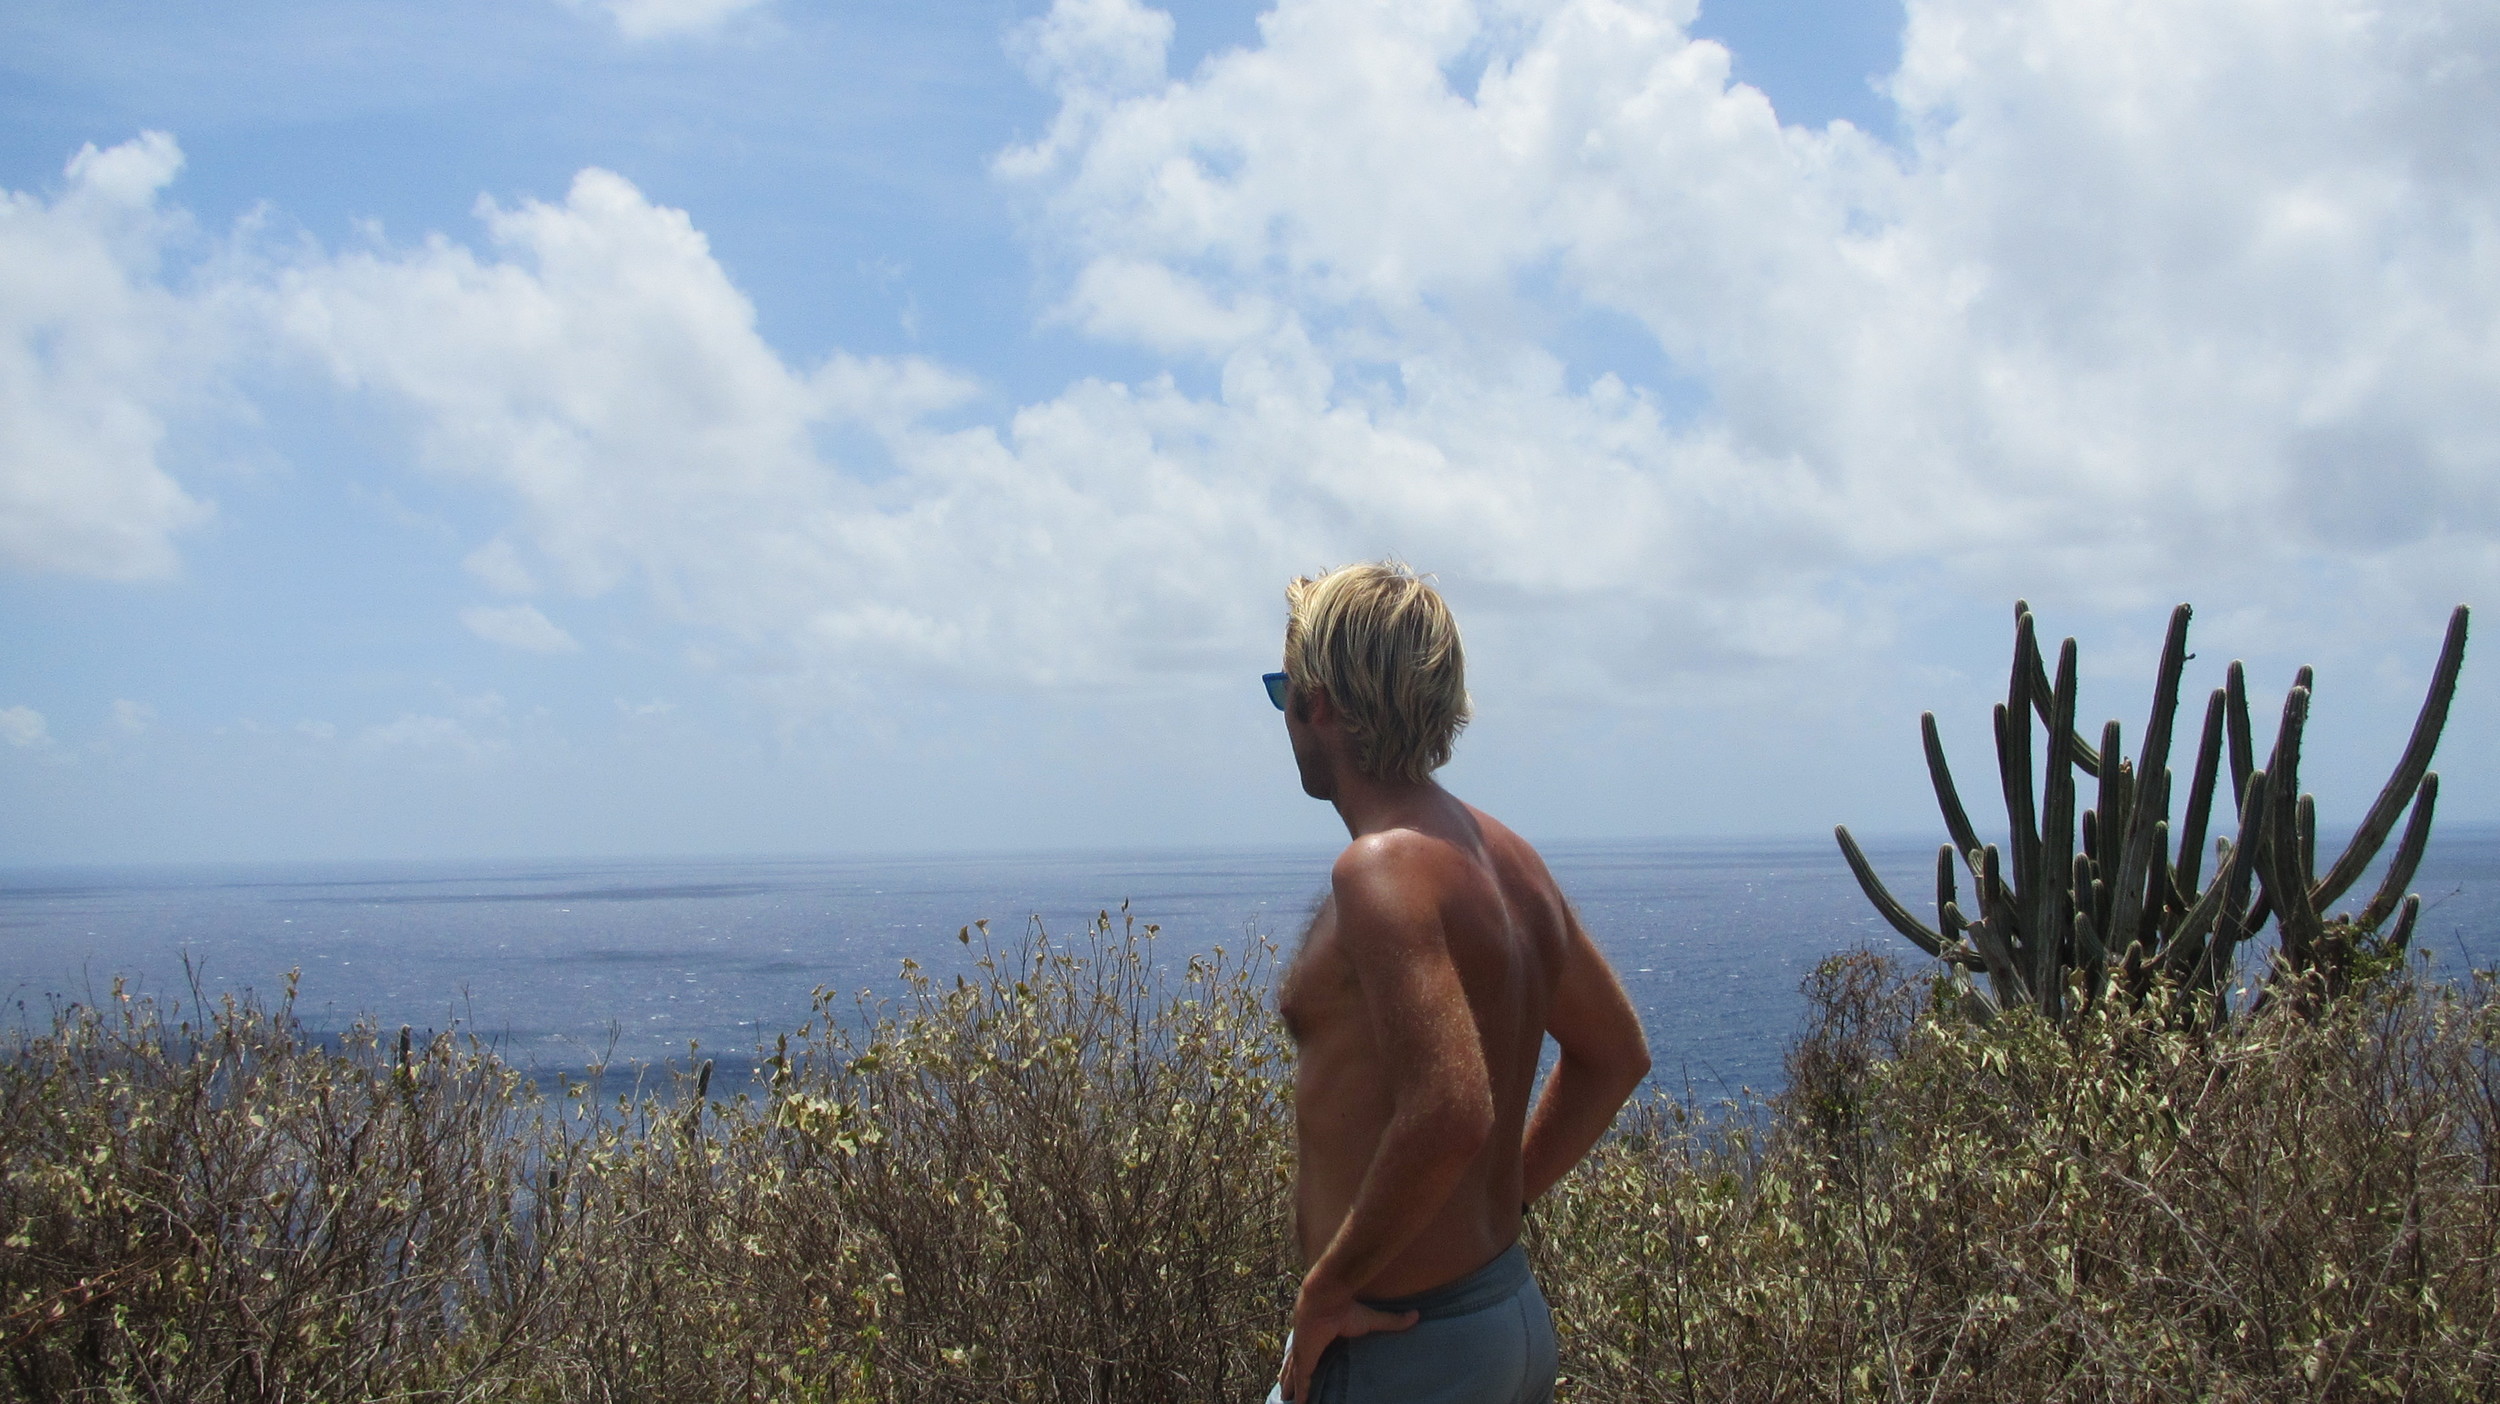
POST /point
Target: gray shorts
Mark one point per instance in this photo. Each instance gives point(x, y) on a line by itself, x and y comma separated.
point(1485, 1339)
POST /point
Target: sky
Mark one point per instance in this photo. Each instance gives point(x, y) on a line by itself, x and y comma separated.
point(644, 427)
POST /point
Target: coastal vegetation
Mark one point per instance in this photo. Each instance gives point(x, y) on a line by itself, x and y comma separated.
point(1063, 1175)
point(2081, 906)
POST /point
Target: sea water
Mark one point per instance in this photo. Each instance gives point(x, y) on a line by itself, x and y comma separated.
point(566, 964)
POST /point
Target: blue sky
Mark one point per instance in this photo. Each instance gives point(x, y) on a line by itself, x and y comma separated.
point(679, 426)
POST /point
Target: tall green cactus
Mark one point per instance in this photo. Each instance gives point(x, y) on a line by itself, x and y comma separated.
point(2079, 906)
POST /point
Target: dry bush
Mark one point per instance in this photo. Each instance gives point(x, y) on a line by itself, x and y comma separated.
point(1073, 1183)
point(2119, 1211)
point(1065, 1177)
point(227, 1210)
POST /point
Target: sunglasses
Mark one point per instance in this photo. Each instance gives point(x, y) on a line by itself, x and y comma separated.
point(1275, 688)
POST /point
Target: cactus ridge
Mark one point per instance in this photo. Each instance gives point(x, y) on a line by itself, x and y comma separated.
point(2079, 905)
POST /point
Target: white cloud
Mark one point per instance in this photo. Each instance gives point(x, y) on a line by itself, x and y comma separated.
point(2150, 303)
point(428, 735)
point(133, 718)
point(1103, 48)
point(2154, 299)
point(605, 372)
point(500, 568)
point(518, 626)
point(95, 351)
point(23, 726)
point(1125, 300)
point(668, 19)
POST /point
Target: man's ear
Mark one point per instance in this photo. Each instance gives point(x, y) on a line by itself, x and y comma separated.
point(1317, 707)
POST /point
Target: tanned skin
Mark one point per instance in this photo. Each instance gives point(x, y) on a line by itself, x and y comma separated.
point(1419, 1002)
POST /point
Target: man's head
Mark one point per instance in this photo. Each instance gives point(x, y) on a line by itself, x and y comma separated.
point(1380, 642)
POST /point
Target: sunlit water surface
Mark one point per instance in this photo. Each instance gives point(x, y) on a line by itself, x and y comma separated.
point(562, 964)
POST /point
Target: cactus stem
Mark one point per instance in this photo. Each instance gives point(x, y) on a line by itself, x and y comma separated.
point(2410, 767)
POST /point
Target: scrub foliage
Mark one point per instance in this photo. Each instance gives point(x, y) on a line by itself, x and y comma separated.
point(1064, 1175)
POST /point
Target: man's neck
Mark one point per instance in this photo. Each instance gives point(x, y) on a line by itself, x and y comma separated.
point(1369, 805)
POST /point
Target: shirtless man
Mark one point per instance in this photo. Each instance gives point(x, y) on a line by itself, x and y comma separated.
point(1419, 1002)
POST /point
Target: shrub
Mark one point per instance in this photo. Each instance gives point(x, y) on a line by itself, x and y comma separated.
point(230, 1210)
point(1065, 1176)
point(2121, 1210)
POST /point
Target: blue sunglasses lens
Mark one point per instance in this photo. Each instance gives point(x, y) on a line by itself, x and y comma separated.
point(1275, 688)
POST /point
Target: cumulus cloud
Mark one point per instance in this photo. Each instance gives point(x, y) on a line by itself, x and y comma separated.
point(2148, 301)
point(1095, 48)
point(518, 626)
point(499, 567)
point(668, 19)
point(1150, 303)
point(133, 718)
point(2143, 304)
point(23, 726)
point(598, 365)
point(95, 352)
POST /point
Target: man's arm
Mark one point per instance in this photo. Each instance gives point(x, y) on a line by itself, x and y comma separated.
point(1604, 1057)
point(1388, 915)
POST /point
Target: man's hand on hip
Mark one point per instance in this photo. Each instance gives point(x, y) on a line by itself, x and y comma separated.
point(1319, 1320)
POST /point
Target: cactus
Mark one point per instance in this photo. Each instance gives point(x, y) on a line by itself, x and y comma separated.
point(2082, 906)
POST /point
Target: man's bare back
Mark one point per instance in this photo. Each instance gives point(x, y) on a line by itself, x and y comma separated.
point(1419, 1002)
point(1504, 932)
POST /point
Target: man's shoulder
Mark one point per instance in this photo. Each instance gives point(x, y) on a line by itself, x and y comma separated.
point(1393, 879)
point(1397, 855)
point(1418, 859)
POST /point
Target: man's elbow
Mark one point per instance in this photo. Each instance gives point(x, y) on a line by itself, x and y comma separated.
point(1618, 1081)
point(1634, 1072)
point(1636, 1063)
point(1619, 1069)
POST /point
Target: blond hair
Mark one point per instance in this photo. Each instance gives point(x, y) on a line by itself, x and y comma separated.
point(1382, 643)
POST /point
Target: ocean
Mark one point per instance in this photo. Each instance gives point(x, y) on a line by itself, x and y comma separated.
point(562, 964)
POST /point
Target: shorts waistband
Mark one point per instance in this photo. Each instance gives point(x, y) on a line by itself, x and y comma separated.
point(1495, 1282)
